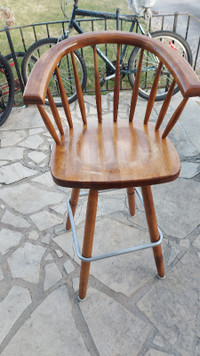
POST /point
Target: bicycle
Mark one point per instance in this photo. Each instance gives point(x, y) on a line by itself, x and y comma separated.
point(149, 65)
point(18, 95)
point(7, 89)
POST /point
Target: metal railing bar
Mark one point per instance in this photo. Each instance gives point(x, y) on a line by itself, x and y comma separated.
point(63, 28)
point(175, 21)
point(35, 34)
point(162, 24)
point(197, 53)
point(23, 40)
point(187, 28)
point(47, 28)
point(14, 58)
point(122, 17)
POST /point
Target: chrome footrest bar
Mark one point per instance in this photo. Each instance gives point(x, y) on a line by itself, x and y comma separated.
point(109, 254)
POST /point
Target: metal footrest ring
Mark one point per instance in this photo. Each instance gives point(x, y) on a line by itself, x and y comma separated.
point(109, 254)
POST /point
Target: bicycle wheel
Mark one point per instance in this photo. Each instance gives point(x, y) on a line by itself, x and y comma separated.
point(6, 89)
point(65, 67)
point(150, 64)
point(18, 97)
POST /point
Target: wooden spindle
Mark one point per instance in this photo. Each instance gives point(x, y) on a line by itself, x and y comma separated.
point(175, 117)
point(48, 124)
point(97, 86)
point(79, 90)
point(136, 88)
point(116, 87)
point(64, 98)
point(153, 94)
point(55, 112)
point(165, 105)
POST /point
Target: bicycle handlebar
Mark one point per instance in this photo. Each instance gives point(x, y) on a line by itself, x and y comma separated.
point(139, 7)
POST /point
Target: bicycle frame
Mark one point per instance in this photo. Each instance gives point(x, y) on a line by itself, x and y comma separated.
point(100, 15)
point(17, 82)
point(3, 87)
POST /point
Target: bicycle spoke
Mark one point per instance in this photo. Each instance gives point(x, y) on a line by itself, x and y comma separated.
point(150, 64)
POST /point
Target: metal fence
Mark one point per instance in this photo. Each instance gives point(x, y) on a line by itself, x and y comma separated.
point(19, 38)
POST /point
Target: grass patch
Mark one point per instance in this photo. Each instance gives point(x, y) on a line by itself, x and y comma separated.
point(33, 12)
point(27, 12)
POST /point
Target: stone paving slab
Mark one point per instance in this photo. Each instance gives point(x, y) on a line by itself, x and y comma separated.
point(128, 311)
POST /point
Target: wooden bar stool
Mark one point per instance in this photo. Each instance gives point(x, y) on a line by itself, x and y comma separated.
point(102, 154)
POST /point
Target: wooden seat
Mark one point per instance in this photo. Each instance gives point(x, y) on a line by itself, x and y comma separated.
point(113, 155)
point(106, 153)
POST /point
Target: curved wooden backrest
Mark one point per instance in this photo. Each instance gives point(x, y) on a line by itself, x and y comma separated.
point(37, 87)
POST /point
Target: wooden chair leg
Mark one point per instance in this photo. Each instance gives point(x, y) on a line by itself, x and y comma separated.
point(73, 203)
point(88, 241)
point(153, 229)
point(131, 200)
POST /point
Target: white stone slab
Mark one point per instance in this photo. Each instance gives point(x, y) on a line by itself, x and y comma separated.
point(69, 267)
point(27, 199)
point(158, 341)
point(185, 243)
point(32, 142)
point(189, 169)
point(177, 206)
point(58, 253)
point(15, 172)
point(33, 235)
point(196, 242)
point(11, 308)
point(172, 305)
point(50, 331)
point(46, 238)
point(108, 203)
point(45, 179)
point(36, 131)
point(190, 122)
point(49, 257)
point(1, 274)
point(12, 138)
point(182, 142)
point(23, 118)
point(52, 275)
point(37, 156)
point(45, 220)
point(8, 239)
point(14, 220)
point(75, 283)
point(25, 262)
point(153, 352)
point(3, 163)
point(106, 319)
point(11, 153)
point(123, 274)
point(60, 208)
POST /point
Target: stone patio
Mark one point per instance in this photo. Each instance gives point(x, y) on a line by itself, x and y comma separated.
point(128, 310)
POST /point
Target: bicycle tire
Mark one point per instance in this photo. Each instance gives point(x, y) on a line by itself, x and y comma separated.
point(147, 78)
point(65, 66)
point(6, 89)
point(18, 97)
